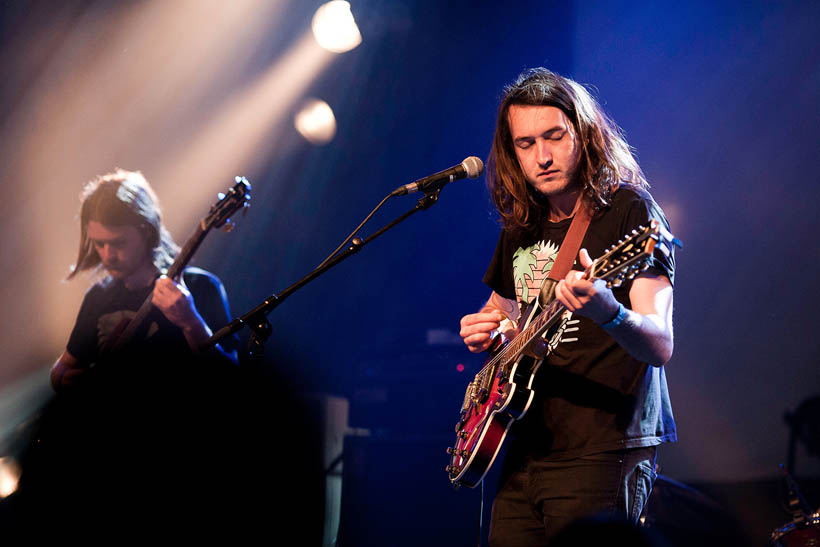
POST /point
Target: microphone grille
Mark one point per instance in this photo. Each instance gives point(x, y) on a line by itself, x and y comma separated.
point(473, 166)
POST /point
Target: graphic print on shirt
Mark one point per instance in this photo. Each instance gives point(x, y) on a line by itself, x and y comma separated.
point(531, 266)
point(108, 323)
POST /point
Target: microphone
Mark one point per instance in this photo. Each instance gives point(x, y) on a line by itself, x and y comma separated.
point(470, 168)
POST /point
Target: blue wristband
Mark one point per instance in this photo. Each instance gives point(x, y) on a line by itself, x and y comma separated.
point(617, 320)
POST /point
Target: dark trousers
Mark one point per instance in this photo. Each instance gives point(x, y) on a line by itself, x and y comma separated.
point(537, 499)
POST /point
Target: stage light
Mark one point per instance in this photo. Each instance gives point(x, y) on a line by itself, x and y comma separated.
point(334, 27)
point(9, 476)
point(316, 122)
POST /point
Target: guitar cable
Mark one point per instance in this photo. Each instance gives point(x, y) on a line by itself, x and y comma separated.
point(481, 515)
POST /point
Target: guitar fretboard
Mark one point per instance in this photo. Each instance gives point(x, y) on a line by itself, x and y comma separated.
point(537, 326)
point(622, 260)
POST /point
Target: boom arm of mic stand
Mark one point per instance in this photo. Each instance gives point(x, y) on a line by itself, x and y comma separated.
point(256, 319)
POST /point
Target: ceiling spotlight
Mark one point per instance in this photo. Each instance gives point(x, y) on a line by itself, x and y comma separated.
point(334, 27)
point(316, 122)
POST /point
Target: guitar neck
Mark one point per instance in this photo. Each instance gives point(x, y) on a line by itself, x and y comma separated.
point(539, 324)
point(187, 252)
point(181, 261)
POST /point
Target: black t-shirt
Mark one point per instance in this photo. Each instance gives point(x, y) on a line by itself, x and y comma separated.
point(590, 394)
point(109, 302)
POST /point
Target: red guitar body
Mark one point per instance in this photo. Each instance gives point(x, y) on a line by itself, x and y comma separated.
point(486, 418)
point(501, 392)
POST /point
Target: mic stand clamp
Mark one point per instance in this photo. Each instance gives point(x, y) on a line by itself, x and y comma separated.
point(260, 329)
point(430, 198)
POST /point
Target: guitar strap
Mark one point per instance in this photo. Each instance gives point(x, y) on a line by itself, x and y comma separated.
point(567, 252)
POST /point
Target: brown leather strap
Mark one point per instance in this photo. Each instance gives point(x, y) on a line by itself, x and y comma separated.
point(571, 244)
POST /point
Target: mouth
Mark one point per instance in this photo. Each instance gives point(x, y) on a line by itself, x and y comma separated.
point(549, 173)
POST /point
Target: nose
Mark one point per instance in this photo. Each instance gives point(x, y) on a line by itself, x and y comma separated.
point(105, 253)
point(544, 157)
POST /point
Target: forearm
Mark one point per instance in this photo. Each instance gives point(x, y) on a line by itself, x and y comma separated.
point(647, 338)
point(197, 332)
point(504, 305)
point(645, 331)
point(58, 373)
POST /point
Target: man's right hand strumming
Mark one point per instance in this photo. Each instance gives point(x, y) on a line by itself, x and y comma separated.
point(477, 328)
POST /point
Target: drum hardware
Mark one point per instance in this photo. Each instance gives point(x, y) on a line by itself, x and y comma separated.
point(804, 529)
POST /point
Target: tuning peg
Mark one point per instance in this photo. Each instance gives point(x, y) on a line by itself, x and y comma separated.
point(228, 226)
point(455, 451)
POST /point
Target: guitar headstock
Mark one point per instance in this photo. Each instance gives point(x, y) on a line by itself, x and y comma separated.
point(238, 197)
point(630, 256)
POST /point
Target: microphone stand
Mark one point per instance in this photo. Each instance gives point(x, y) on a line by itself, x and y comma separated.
point(256, 319)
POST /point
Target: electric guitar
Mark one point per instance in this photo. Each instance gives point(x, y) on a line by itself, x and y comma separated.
point(237, 198)
point(501, 392)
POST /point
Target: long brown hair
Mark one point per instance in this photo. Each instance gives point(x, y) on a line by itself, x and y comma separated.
point(123, 198)
point(606, 160)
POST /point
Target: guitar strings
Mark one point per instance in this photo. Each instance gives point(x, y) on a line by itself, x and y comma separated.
point(548, 311)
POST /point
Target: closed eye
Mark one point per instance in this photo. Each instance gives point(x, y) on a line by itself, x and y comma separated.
point(115, 243)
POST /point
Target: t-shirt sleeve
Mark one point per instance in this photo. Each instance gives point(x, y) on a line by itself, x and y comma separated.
point(211, 301)
point(498, 273)
point(640, 210)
